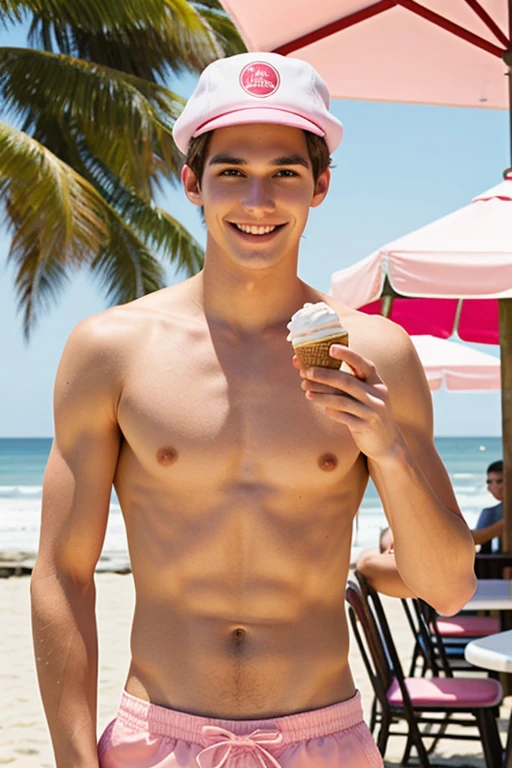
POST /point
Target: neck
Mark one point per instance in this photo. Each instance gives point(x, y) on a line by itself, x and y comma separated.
point(248, 301)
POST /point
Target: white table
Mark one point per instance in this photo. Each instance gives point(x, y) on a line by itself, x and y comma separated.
point(494, 652)
point(491, 652)
point(491, 595)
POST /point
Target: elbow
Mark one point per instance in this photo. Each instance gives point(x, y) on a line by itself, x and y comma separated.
point(453, 600)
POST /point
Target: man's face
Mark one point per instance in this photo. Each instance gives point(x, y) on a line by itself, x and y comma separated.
point(495, 484)
point(257, 189)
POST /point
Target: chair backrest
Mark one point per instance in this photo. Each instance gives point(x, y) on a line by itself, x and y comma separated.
point(418, 632)
point(432, 638)
point(371, 648)
point(367, 608)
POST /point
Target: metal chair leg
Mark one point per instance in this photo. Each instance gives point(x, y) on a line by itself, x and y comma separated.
point(384, 733)
point(407, 752)
point(508, 748)
point(439, 734)
point(373, 716)
point(493, 751)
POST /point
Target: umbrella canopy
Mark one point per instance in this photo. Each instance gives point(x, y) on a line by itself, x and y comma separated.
point(428, 52)
point(462, 262)
point(456, 367)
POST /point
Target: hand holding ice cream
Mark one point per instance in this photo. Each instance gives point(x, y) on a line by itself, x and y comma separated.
point(359, 401)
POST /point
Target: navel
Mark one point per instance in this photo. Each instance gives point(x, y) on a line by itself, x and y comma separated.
point(167, 456)
point(328, 462)
point(238, 635)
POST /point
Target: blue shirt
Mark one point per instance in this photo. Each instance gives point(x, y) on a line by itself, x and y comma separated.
point(489, 516)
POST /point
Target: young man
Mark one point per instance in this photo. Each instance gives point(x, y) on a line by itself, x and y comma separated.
point(239, 474)
point(491, 516)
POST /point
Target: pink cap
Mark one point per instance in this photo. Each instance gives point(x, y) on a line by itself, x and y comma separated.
point(258, 87)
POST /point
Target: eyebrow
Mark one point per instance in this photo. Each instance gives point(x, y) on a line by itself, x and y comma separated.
point(223, 158)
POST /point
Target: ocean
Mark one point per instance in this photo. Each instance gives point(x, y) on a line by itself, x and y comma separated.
point(23, 460)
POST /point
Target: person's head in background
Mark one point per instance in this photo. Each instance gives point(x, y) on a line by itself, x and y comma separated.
point(386, 539)
point(495, 479)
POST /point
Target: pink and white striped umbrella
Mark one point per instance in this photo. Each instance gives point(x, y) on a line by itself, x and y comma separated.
point(456, 268)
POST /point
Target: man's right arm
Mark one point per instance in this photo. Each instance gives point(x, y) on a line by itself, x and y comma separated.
point(76, 497)
point(482, 535)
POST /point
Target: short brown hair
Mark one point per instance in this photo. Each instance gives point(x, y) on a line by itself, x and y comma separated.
point(317, 151)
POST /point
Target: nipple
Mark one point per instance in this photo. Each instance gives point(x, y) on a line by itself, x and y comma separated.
point(167, 456)
point(328, 462)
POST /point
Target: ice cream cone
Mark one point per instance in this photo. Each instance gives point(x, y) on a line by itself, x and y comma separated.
point(316, 353)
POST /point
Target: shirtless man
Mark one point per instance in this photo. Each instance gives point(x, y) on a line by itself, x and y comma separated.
point(238, 476)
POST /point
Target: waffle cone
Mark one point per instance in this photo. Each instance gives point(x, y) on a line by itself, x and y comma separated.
point(316, 353)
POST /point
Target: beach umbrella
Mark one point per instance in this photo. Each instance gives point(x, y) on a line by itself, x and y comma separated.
point(457, 268)
point(456, 367)
point(453, 275)
point(456, 53)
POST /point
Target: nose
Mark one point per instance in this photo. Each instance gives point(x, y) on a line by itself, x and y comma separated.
point(258, 197)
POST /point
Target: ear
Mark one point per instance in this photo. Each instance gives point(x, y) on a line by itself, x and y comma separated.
point(191, 186)
point(321, 188)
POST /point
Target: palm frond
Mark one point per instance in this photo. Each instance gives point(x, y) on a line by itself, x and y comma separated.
point(179, 38)
point(158, 229)
point(135, 115)
point(95, 14)
point(59, 220)
point(222, 27)
point(38, 281)
point(125, 268)
point(11, 12)
point(50, 199)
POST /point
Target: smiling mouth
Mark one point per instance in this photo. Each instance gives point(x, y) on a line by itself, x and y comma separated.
point(258, 231)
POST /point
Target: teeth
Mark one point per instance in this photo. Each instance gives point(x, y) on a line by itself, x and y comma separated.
point(254, 230)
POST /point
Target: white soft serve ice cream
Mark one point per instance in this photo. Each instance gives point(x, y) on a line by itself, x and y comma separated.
point(313, 322)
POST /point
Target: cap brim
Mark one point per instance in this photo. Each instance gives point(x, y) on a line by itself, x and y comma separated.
point(260, 115)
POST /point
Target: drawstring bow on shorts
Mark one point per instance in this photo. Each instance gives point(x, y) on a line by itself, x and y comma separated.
point(222, 742)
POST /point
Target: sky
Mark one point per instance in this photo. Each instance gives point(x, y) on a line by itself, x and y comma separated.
point(398, 168)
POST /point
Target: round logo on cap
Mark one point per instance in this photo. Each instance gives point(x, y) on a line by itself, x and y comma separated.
point(259, 79)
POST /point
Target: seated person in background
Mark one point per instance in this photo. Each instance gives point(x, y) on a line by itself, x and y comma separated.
point(378, 565)
point(492, 515)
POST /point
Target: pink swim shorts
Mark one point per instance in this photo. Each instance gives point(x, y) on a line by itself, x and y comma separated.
point(145, 735)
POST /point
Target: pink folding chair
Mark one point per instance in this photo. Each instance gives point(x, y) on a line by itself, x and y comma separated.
point(401, 698)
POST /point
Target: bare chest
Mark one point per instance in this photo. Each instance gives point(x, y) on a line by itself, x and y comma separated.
point(215, 410)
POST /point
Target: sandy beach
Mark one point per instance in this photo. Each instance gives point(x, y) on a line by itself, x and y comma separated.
point(24, 738)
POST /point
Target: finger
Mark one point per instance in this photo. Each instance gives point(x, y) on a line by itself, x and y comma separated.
point(340, 403)
point(363, 368)
point(341, 381)
point(313, 386)
point(350, 421)
point(297, 363)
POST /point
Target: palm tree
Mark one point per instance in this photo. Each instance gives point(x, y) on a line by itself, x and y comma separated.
point(79, 173)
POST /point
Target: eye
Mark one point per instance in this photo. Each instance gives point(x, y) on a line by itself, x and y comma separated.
point(288, 173)
point(231, 172)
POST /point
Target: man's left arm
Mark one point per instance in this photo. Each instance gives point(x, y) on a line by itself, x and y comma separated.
point(389, 414)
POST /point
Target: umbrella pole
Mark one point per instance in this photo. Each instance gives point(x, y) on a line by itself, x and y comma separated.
point(505, 312)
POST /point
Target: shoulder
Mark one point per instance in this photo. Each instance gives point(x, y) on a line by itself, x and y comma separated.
point(496, 511)
point(116, 331)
